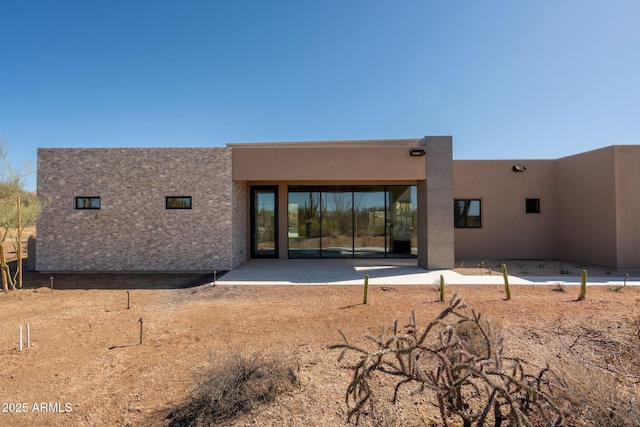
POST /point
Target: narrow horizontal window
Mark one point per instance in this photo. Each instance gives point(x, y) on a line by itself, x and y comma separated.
point(532, 206)
point(87, 202)
point(467, 213)
point(178, 202)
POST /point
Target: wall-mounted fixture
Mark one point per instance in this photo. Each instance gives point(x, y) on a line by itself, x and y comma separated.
point(417, 152)
point(519, 168)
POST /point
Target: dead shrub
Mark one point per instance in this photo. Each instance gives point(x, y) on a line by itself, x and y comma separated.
point(237, 386)
point(458, 359)
point(599, 373)
point(596, 396)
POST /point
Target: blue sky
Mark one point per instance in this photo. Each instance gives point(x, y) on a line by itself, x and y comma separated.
point(507, 79)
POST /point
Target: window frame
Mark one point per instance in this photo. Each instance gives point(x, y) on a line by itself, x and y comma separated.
point(91, 199)
point(532, 202)
point(169, 207)
point(466, 221)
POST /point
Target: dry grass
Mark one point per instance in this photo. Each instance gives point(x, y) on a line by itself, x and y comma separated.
point(596, 397)
point(236, 387)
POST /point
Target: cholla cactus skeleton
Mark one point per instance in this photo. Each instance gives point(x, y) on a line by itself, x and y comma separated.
point(456, 357)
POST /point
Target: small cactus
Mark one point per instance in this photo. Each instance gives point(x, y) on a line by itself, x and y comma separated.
point(366, 289)
point(583, 286)
point(441, 287)
point(506, 282)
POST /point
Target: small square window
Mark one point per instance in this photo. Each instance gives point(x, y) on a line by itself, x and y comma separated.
point(87, 202)
point(532, 206)
point(178, 202)
point(467, 213)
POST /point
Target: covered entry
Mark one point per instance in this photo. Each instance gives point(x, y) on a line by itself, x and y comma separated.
point(348, 199)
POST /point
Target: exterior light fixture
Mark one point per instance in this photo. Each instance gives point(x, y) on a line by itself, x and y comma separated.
point(417, 152)
point(519, 168)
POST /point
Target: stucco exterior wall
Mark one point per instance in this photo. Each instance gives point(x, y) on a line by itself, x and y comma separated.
point(507, 230)
point(627, 172)
point(438, 240)
point(587, 230)
point(349, 161)
point(133, 231)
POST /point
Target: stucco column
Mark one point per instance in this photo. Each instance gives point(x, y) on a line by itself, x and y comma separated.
point(283, 221)
point(435, 206)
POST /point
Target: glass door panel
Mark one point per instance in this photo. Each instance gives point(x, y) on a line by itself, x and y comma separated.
point(337, 223)
point(264, 222)
point(369, 232)
point(401, 220)
point(303, 223)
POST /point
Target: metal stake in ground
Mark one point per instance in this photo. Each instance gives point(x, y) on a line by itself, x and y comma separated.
point(140, 329)
point(51, 279)
point(128, 300)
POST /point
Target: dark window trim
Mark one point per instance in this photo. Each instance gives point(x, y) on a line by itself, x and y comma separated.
point(167, 198)
point(91, 199)
point(532, 206)
point(252, 219)
point(352, 188)
point(466, 224)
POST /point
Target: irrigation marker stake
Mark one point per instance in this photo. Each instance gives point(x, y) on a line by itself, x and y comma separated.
point(625, 278)
point(51, 279)
point(28, 336)
point(128, 300)
point(214, 277)
point(140, 329)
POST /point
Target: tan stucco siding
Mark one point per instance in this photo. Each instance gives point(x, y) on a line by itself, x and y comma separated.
point(326, 164)
point(587, 207)
point(507, 231)
point(627, 171)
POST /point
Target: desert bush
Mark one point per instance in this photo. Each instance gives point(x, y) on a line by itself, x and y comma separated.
point(598, 373)
point(458, 359)
point(596, 397)
point(237, 386)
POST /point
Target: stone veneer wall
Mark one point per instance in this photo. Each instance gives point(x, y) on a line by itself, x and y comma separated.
point(239, 223)
point(133, 231)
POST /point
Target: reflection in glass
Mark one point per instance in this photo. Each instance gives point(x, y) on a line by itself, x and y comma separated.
point(337, 223)
point(303, 223)
point(264, 227)
point(369, 233)
point(352, 221)
point(402, 217)
point(466, 213)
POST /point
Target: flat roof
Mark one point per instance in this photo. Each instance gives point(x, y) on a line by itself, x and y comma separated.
point(328, 144)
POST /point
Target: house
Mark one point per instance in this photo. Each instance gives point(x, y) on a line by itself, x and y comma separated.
point(204, 209)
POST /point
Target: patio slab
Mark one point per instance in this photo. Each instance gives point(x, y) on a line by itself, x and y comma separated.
point(381, 272)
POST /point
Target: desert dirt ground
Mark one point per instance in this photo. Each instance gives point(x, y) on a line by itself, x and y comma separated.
point(87, 366)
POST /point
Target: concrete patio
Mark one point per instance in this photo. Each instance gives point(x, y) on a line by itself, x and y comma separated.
point(397, 271)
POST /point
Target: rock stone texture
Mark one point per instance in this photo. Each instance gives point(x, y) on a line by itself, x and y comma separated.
point(132, 230)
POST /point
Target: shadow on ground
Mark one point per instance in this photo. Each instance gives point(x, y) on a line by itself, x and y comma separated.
point(115, 281)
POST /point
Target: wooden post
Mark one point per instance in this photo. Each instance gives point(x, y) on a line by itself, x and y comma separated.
point(19, 246)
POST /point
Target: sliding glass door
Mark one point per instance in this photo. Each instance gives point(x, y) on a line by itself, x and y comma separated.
point(369, 212)
point(352, 221)
point(303, 223)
